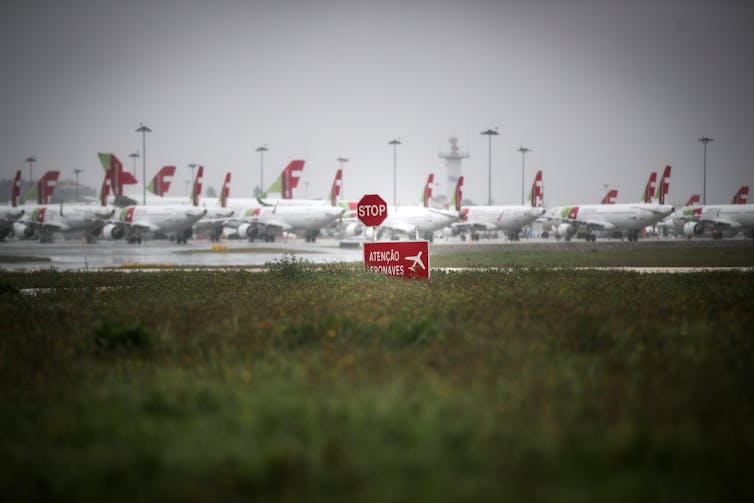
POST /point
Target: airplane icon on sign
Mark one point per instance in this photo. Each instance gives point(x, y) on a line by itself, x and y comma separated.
point(417, 259)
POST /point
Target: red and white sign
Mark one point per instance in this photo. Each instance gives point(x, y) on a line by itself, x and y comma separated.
point(398, 259)
point(371, 210)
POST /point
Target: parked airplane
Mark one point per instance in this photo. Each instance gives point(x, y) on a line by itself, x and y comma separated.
point(629, 218)
point(45, 220)
point(716, 220)
point(507, 218)
point(133, 222)
point(42, 191)
point(9, 214)
point(421, 220)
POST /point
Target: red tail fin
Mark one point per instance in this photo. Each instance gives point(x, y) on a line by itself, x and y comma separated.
point(46, 186)
point(225, 191)
point(537, 192)
point(427, 195)
point(664, 185)
point(161, 182)
point(742, 196)
point(336, 187)
point(610, 197)
point(105, 191)
point(291, 175)
point(15, 192)
point(650, 188)
point(197, 191)
point(694, 200)
point(458, 196)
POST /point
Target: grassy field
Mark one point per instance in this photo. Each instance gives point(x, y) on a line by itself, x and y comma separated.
point(731, 254)
point(335, 385)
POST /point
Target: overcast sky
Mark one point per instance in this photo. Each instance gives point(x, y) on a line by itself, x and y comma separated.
point(603, 92)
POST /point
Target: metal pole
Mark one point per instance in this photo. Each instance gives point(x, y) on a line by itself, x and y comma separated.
point(705, 141)
point(77, 171)
point(261, 151)
point(143, 130)
point(523, 151)
point(395, 144)
point(31, 160)
point(490, 133)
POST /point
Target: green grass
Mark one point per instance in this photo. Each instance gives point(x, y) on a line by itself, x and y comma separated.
point(726, 256)
point(331, 384)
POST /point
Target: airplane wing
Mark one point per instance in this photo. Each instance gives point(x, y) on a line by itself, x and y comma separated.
point(399, 227)
point(721, 222)
point(596, 224)
point(469, 226)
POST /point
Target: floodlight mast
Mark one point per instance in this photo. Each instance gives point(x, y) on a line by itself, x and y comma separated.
point(523, 151)
point(705, 141)
point(143, 130)
point(395, 144)
point(489, 134)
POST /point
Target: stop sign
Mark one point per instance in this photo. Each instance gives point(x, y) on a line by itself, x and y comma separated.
point(371, 210)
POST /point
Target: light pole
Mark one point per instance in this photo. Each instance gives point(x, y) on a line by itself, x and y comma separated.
point(523, 151)
point(31, 160)
point(341, 161)
point(395, 144)
point(134, 156)
point(261, 151)
point(490, 133)
point(76, 172)
point(143, 130)
point(193, 166)
point(705, 140)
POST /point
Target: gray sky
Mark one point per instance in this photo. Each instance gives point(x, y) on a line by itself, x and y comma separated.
point(603, 92)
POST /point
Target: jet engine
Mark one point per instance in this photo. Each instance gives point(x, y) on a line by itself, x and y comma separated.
point(247, 230)
point(566, 230)
point(22, 230)
point(352, 229)
point(693, 229)
point(112, 231)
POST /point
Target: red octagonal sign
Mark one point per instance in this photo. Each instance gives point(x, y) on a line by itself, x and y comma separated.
point(371, 210)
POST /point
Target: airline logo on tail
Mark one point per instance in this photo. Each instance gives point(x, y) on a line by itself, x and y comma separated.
point(196, 191)
point(337, 187)
point(42, 191)
point(664, 185)
point(16, 190)
point(695, 199)
point(427, 194)
point(225, 192)
point(537, 192)
point(291, 176)
point(114, 169)
point(455, 202)
point(611, 196)
point(160, 184)
point(742, 196)
point(650, 188)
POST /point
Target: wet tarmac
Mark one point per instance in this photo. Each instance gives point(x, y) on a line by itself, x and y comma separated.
point(72, 254)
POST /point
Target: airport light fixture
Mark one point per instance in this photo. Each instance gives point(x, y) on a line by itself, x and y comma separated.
point(523, 151)
point(76, 172)
point(31, 160)
point(261, 151)
point(395, 144)
point(143, 130)
point(705, 141)
point(341, 161)
point(490, 133)
point(134, 156)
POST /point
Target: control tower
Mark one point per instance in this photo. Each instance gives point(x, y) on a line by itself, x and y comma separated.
point(453, 164)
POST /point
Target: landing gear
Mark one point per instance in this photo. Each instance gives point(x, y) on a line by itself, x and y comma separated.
point(311, 236)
